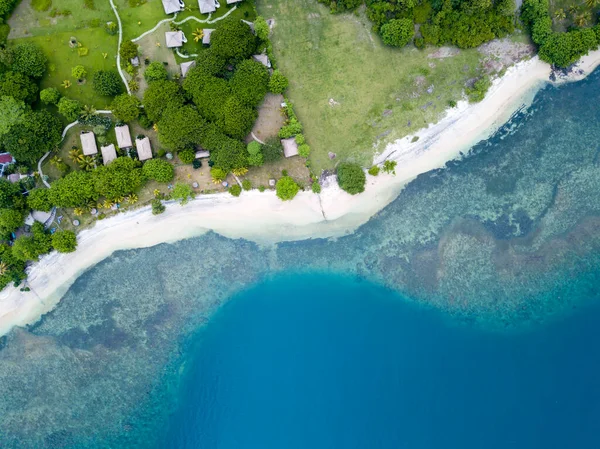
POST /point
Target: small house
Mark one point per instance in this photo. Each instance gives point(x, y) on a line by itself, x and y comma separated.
point(186, 66)
point(290, 147)
point(88, 143)
point(173, 6)
point(6, 159)
point(135, 62)
point(207, 6)
point(123, 136)
point(40, 216)
point(144, 150)
point(202, 154)
point(231, 2)
point(263, 59)
point(250, 24)
point(206, 36)
point(109, 153)
point(175, 39)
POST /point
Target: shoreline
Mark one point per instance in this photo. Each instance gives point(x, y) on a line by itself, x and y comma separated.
point(263, 218)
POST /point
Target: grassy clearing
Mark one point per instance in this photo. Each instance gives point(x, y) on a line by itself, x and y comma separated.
point(378, 93)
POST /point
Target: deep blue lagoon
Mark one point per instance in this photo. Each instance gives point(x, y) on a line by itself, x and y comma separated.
point(322, 361)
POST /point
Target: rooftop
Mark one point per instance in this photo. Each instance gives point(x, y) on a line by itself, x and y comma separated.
point(109, 154)
point(144, 149)
point(88, 143)
point(206, 37)
point(207, 6)
point(123, 136)
point(290, 147)
point(186, 66)
point(172, 6)
point(263, 59)
point(175, 39)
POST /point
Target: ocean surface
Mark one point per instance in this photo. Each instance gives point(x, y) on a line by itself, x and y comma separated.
point(463, 315)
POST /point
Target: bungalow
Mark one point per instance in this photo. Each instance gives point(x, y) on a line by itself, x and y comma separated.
point(175, 39)
point(206, 36)
point(186, 66)
point(88, 143)
point(173, 6)
point(250, 24)
point(231, 2)
point(45, 218)
point(207, 6)
point(144, 149)
point(263, 59)
point(290, 147)
point(6, 159)
point(123, 137)
point(109, 153)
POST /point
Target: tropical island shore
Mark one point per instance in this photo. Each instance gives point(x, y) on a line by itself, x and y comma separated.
point(263, 218)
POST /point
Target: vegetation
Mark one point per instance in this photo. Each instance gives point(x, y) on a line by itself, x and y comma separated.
point(235, 190)
point(246, 184)
point(126, 107)
point(351, 178)
point(286, 188)
point(64, 241)
point(155, 71)
point(278, 83)
point(397, 32)
point(390, 167)
point(182, 193)
point(158, 170)
point(374, 170)
point(69, 109)
point(187, 156)
point(233, 41)
point(50, 95)
point(107, 83)
point(157, 207)
point(128, 51)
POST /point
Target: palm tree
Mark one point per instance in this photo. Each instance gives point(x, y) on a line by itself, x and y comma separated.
point(79, 211)
point(88, 112)
point(592, 3)
point(239, 171)
point(3, 268)
point(560, 14)
point(87, 163)
point(76, 155)
point(132, 199)
point(66, 84)
point(108, 204)
point(573, 9)
point(56, 161)
point(583, 19)
point(198, 34)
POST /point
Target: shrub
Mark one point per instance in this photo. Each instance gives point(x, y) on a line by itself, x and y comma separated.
point(479, 89)
point(161, 96)
point(304, 150)
point(390, 167)
point(261, 28)
point(374, 170)
point(292, 128)
point(128, 51)
point(29, 59)
point(10, 220)
point(420, 43)
point(107, 82)
point(69, 109)
point(78, 72)
point(64, 241)
point(126, 107)
point(156, 71)
point(4, 32)
point(50, 95)
point(159, 170)
point(235, 190)
point(316, 187)
point(218, 174)
point(397, 32)
point(39, 199)
point(351, 178)
point(187, 156)
point(246, 184)
point(182, 192)
point(144, 121)
point(210, 62)
point(111, 28)
point(233, 40)
point(300, 139)
point(157, 207)
point(278, 83)
point(261, 188)
point(41, 5)
point(286, 188)
point(197, 164)
point(237, 119)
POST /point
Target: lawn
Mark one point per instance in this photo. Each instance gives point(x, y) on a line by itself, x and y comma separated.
point(351, 92)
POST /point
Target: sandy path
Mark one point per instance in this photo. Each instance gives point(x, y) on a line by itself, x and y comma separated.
point(261, 217)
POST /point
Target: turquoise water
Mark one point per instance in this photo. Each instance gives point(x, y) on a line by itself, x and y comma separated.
point(328, 362)
point(476, 337)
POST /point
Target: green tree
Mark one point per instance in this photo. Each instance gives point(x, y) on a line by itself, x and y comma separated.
point(64, 241)
point(50, 95)
point(39, 199)
point(181, 128)
point(12, 113)
point(157, 207)
point(122, 177)
point(398, 32)
point(237, 120)
point(156, 71)
point(73, 190)
point(128, 51)
point(278, 83)
point(232, 156)
point(374, 170)
point(10, 220)
point(6, 7)
point(182, 193)
point(208, 95)
point(39, 133)
point(161, 96)
point(304, 150)
point(18, 86)
point(69, 109)
point(159, 170)
point(233, 40)
point(32, 247)
point(78, 72)
point(250, 82)
point(255, 156)
point(351, 178)
point(210, 62)
point(11, 268)
point(261, 28)
point(246, 184)
point(10, 195)
point(126, 107)
point(107, 83)
point(235, 190)
point(29, 59)
point(286, 188)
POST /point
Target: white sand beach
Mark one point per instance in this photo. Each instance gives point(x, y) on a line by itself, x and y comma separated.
point(263, 218)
